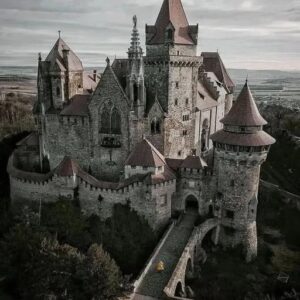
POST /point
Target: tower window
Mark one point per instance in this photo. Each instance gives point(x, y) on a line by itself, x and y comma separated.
point(229, 214)
point(155, 126)
point(176, 102)
point(58, 91)
point(178, 53)
point(185, 117)
point(184, 132)
point(232, 183)
point(186, 101)
point(177, 85)
point(179, 153)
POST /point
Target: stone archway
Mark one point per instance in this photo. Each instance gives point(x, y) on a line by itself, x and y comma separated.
point(179, 290)
point(191, 203)
point(189, 270)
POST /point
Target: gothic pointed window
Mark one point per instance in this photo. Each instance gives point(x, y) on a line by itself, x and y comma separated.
point(105, 121)
point(115, 122)
point(155, 126)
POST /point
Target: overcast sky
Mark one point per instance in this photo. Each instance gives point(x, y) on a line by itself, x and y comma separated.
point(253, 34)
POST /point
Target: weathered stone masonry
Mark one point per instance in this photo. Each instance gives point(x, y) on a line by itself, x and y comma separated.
point(157, 131)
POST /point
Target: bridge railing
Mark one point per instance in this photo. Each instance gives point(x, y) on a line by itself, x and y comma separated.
point(197, 235)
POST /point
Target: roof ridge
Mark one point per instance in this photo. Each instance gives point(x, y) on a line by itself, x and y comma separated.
point(157, 152)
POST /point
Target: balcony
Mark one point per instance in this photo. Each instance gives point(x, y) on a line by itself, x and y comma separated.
point(111, 142)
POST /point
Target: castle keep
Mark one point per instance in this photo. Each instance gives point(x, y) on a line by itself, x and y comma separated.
point(157, 130)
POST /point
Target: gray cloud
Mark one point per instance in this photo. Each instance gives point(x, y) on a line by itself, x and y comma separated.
point(248, 33)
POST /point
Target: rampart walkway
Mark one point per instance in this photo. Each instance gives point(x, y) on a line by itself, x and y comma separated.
point(154, 283)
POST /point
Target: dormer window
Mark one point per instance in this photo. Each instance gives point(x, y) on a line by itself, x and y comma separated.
point(170, 34)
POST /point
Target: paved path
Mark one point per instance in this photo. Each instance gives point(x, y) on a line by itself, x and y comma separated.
point(154, 282)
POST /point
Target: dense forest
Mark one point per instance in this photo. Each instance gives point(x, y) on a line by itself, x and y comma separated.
point(55, 252)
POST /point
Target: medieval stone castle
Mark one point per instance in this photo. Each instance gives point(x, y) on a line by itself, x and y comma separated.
point(155, 130)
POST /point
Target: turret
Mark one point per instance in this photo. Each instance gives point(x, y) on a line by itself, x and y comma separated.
point(240, 149)
point(62, 76)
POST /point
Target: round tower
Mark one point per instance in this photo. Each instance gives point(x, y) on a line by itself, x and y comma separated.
point(240, 149)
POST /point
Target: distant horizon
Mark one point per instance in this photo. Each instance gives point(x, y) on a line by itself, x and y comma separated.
point(228, 68)
point(249, 34)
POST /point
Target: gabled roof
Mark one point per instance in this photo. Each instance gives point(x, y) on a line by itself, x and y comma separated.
point(106, 80)
point(67, 168)
point(55, 57)
point(212, 62)
point(244, 112)
point(145, 155)
point(78, 106)
point(172, 14)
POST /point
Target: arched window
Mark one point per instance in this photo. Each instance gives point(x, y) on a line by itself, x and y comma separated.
point(204, 135)
point(115, 122)
point(58, 91)
point(170, 34)
point(105, 120)
point(155, 126)
point(157, 129)
point(110, 121)
point(135, 93)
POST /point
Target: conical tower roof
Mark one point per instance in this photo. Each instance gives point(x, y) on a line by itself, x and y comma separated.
point(172, 12)
point(244, 112)
point(56, 57)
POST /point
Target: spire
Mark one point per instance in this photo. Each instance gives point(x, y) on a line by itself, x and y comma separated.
point(244, 112)
point(135, 51)
point(172, 13)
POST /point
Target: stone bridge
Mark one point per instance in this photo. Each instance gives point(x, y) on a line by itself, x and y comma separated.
point(178, 249)
point(192, 254)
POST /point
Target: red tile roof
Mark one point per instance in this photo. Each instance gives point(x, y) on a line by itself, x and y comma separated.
point(67, 168)
point(259, 138)
point(212, 62)
point(56, 57)
point(146, 155)
point(172, 12)
point(244, 112)
point(77, 107)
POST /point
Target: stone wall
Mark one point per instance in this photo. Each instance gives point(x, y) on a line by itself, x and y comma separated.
point(237, 189)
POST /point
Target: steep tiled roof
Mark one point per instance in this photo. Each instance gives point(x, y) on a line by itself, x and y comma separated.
point(172, 12)
point(55, 57)
point(244, 112)
point(190, 162)
point(146, 155)
point(193, 162)
point(259, 138)
point(67, 168)
point(212, 62)
point(77, 107)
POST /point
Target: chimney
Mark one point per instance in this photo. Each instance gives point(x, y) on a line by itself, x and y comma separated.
point(95, 75)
